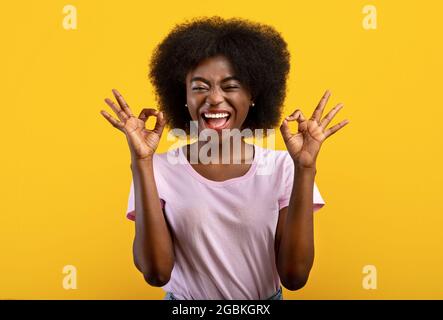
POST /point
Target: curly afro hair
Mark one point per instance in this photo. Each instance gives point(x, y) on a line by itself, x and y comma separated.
point(257, 53)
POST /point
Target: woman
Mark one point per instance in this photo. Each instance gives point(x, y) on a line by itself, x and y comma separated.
point(223, 229)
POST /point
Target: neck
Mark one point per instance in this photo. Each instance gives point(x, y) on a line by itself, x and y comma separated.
point(227, 152)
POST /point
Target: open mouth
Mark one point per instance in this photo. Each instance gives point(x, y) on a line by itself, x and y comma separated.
point(217, 120)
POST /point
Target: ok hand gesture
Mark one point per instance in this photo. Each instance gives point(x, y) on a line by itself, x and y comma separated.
point(142, 142)
point(305, 144)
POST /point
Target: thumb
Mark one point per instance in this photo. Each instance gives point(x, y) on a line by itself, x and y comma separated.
point(146, 113)
point(285, 131)
point(160, 123)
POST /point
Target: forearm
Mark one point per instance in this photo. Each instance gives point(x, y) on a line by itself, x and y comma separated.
point(152, 248)
point(296, 250)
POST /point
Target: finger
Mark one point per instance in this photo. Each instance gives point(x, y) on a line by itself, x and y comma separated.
point(160, 123)
point(114, 122)
point(331, 114)
point(296, 115)
point(118, 111)
point(335, 128)
point(146, 113)
point(321, 105)
point(121, 101)
point(284, 128)
point(285, 131)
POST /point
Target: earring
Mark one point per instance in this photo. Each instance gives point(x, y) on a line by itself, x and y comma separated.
point(186, 105)
point(253, 104)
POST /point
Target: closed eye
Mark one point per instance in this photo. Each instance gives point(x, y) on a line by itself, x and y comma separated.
point(203, 88)
point(198, 88)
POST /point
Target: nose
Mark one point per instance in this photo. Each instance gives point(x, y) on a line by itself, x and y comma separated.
point(214, 97)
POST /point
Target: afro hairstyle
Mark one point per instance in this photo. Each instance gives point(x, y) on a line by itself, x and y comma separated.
point(257, 53)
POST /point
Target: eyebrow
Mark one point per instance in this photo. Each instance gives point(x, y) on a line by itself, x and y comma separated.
point(207, 82)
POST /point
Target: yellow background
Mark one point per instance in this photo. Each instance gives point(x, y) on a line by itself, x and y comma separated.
point(65, 170)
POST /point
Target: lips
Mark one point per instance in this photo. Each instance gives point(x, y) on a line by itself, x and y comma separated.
point(212, 121)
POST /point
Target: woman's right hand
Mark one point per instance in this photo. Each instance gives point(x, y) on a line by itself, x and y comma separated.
point(142, 142)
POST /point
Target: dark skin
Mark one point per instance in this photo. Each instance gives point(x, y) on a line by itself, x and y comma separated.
point(210, 86)
point(295, 229)
point(153, 249)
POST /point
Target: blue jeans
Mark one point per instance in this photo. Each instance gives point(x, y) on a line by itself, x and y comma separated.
point(276, 296)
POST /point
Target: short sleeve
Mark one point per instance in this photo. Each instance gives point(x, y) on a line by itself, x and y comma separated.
point(130, 211)
point(287, 175)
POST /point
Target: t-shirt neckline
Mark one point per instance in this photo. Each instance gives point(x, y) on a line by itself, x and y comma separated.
point(198, 176)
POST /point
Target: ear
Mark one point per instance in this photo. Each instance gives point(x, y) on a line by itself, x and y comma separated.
point(251, 98)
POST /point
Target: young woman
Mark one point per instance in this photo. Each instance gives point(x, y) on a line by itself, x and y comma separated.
point(240, 226)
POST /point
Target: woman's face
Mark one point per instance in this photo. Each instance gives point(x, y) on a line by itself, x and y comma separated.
point(215, 98)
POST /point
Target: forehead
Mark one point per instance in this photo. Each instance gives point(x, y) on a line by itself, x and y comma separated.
point(214, 68)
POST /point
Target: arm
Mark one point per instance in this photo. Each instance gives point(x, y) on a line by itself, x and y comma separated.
point(295, 232)
point(152, 248)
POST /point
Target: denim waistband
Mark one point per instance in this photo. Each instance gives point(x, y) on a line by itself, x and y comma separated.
point(276, 296)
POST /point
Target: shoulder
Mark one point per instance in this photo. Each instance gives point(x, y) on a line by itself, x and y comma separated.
point(272, 160)
point(164, 163)
point(279, 156)
point(167, 158)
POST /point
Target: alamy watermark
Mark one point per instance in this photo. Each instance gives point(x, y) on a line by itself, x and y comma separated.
point(70, 19)
point(70, 278)
point(223, 146)
point(370, 19)
point(369, 281)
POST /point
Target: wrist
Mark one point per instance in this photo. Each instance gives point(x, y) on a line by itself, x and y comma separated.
point(300, 168)
point(136, 158)
point(141, 162)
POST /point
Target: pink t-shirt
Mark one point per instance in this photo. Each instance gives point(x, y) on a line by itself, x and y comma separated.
point(223, 231)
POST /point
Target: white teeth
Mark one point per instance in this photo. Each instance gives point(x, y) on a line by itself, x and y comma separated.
point(216, 115)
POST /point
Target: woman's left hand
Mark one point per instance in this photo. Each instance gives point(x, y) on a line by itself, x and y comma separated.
point(305, 144)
